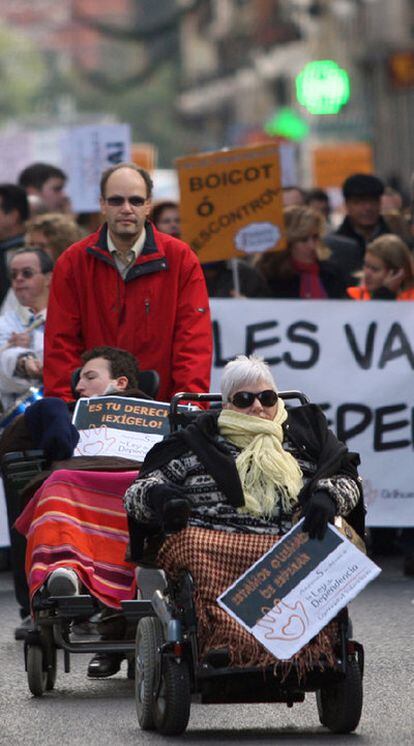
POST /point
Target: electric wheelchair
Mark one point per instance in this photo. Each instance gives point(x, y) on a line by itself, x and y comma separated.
point(168, 670)
point(170, 673)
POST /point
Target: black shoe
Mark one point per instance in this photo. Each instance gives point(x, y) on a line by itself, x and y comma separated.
point(104, 664)
point(26, 626)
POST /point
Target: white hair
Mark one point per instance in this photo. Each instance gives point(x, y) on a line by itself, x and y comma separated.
point(243, 372)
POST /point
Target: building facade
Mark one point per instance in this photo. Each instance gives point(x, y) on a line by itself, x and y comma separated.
point(240, 59)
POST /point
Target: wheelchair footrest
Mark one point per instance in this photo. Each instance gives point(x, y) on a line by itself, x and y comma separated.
point(135, 610)
point(69, 607)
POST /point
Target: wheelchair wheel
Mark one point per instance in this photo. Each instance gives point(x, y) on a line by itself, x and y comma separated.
point(340, 705)
point(149, 637)
point(41, 664)
point(51, 672)
point(37, 677)
point(172, 705)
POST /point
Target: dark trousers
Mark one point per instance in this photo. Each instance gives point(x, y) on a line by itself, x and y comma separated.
point(17, 555)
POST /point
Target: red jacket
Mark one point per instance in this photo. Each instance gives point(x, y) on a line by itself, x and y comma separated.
point(160, 312)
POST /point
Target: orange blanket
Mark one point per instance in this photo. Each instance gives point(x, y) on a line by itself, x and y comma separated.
point(77, 519)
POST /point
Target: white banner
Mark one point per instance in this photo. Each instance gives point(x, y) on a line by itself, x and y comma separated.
point(354, 359)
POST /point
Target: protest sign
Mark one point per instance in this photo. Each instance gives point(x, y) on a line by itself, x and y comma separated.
point(119, 426)
point(231, 202)
point(92, 149)
point(296, 588)
point(83, 152)
point(356, 360)
point(332, 164)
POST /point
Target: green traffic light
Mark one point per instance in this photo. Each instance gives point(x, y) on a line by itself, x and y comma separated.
point(287, 123)
point(323, 87)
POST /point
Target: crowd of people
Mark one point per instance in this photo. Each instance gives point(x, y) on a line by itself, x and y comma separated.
point(133, 285)
point(368, 255)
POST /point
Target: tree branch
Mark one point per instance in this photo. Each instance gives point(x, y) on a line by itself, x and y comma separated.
point(138, 34)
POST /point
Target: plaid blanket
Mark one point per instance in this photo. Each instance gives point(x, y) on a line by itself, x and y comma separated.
point(215, 560)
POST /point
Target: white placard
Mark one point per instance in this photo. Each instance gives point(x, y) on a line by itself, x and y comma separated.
point(354, 359)
point(91, 149)
point(296, 588)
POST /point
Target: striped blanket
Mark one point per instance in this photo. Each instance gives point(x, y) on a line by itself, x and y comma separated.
point(77, 519)
point(215, 560)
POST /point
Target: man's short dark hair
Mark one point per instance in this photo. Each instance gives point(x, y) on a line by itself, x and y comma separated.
point(121, 362)
point(45, 261)
point(13, 197)
point(159, 208)
point(362, 185)
point(133, 166)
point(316, 194)
point(37, 174)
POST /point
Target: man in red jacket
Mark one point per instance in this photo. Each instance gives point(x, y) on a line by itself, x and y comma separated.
point(129, 286)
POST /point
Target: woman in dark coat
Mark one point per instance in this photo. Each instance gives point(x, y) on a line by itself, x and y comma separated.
point(303, 269)
point(215, 496)
point(249, 468)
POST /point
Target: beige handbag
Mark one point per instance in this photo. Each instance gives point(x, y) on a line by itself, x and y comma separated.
point(343, 526)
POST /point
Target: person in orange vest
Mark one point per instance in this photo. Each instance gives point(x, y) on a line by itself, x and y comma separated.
point(388, 272)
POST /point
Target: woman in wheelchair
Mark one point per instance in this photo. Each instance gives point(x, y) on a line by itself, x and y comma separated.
point(235, 480)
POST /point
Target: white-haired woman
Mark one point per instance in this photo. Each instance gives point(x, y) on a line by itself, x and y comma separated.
point(213, 497)
point(249, 467)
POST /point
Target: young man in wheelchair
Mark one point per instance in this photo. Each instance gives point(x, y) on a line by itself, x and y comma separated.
point(230, 484)
point(47, 425)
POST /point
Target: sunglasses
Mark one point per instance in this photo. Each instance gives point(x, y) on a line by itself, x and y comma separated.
point(26, 273)
point(244, 399)
point(118, 201)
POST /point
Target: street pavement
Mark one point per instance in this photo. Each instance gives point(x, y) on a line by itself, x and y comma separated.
point(95, 713)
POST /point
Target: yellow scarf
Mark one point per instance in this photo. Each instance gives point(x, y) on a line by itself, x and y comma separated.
point(268, 474)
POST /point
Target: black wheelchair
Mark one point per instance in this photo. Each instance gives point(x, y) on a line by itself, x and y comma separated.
point(167, 668)
point(54, 617)
point(170, 675)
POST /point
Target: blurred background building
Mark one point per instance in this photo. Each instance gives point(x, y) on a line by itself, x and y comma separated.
point(240, 60)
point(192, 75)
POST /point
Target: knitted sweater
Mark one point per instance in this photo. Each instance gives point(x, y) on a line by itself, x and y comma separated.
point(212, 508)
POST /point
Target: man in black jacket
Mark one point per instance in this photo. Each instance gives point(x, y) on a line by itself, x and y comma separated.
point(363, 222)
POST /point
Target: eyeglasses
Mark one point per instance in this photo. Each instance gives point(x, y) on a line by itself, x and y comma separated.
point(118, 201)
point(244, 399)
point(26, 273)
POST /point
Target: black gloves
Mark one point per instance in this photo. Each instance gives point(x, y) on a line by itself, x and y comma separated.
point(319, 511)
point(171, 507)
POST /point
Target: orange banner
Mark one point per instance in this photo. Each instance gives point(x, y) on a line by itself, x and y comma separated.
point(231, 202)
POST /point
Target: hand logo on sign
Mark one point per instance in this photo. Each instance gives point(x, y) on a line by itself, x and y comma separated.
point(98, 442)
point(285, 622)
